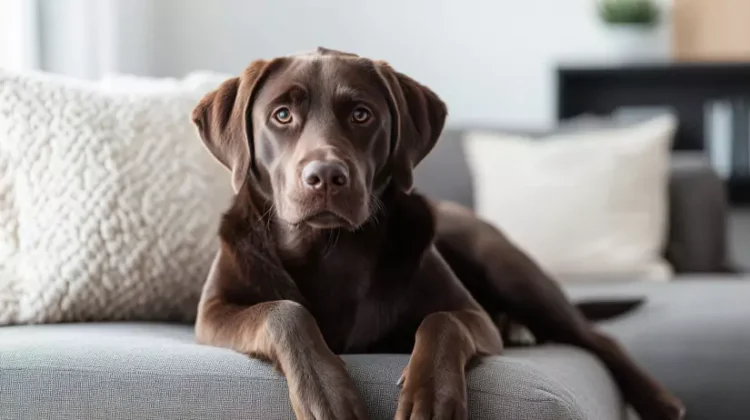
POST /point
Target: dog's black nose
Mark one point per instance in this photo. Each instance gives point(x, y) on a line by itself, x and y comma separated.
point(320, 174)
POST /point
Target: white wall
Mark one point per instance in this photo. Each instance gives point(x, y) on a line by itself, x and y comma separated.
point(491, 60)
point(88, 38)
point(18, 35)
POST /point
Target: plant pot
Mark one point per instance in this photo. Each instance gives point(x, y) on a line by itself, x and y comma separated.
point(633, 42)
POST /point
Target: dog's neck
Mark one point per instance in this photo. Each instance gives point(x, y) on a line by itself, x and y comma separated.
point(401, 231)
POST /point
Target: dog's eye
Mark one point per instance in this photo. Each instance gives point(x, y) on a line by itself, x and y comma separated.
point(361, 115)
point(283, 115)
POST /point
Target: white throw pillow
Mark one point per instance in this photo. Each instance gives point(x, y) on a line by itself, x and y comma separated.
point(116, 202)
point(9, 281)
point(197, 81)
point(587, 206)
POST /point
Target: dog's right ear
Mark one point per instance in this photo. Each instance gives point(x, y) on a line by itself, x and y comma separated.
point(418, 116)
point(224, 121)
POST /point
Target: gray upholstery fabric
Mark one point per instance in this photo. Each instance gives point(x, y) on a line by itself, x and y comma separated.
point(444, 174)
point(698, 218)
point(693, 335)
point(154, 371)
point(739, 238)
point(698, 206)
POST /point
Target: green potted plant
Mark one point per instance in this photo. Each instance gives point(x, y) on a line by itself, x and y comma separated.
point(634, 28)
point(643, 13)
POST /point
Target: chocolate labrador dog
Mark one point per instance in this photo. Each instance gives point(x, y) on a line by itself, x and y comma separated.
point(327, 250)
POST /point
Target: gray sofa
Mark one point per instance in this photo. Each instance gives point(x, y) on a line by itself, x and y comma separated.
point(693, 334)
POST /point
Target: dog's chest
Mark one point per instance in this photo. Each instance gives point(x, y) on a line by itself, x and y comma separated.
point(374, 318)
point(353, 305)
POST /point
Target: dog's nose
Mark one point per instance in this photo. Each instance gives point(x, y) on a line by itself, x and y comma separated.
point(320, 174)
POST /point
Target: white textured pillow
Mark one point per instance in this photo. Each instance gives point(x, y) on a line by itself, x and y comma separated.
point(587, 206)
point(196, 81)
point(9, 281)
point(117, 202)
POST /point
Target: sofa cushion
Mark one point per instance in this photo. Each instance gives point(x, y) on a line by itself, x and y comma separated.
point(560, 208)
point(693, 334)
point(155, 371)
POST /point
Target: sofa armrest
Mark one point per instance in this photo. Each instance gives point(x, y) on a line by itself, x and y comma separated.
point(698, 216)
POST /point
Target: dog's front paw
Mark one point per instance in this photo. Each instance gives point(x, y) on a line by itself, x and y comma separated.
point(439, 394)
point(327, 393)
point(664, 406)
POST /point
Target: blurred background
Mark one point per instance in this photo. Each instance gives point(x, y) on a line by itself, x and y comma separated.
point(496, 63)
point(505, 49)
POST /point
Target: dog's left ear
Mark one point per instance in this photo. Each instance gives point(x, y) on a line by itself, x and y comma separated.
point(417, 115)
point(223, 121)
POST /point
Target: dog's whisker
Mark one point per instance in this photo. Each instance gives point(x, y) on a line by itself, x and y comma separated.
point(266, 218)
point(336, 240)
point(270, 216)
point(376, 207)
point(331, 241)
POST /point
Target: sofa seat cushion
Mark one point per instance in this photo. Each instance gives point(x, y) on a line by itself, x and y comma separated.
point(692, 334)
point(155, 371)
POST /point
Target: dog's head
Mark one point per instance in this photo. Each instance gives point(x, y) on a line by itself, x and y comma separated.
point(320, 134)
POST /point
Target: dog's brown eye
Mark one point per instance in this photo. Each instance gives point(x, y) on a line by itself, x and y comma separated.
point(361, 115)
point(283, 115)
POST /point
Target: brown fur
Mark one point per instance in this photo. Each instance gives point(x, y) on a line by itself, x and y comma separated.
point(386, 270)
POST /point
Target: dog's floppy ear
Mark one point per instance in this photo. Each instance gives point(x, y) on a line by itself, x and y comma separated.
point(224, 122)
point(418, 116)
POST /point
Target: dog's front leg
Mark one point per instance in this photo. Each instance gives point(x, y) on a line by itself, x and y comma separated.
point(278, 329)
point(285, 333)
point(434, 381)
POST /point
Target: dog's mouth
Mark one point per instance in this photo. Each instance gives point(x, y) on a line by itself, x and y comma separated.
point(327, 219)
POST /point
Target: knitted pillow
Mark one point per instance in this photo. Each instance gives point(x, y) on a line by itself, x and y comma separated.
point(110, 203)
